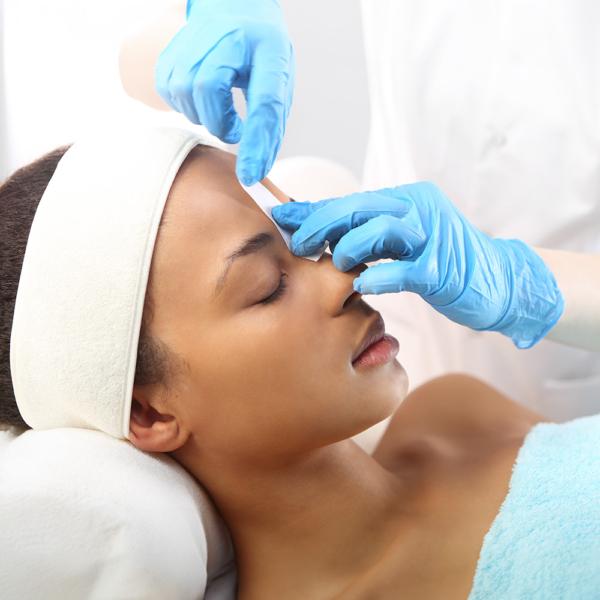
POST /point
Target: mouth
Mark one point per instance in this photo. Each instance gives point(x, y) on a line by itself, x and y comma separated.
point(376, 347)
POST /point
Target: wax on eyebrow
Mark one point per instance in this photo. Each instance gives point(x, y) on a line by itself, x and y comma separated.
point(266, 201)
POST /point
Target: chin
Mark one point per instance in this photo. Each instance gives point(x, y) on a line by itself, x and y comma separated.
point(396, 386)
point(387, 391)
point(403, 383)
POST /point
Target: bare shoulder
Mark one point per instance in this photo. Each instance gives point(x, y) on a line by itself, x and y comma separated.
point(454, 409)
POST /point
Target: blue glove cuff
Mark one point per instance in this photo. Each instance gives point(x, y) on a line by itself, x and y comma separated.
point(536, 303)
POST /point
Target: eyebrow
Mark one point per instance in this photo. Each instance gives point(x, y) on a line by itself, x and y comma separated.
point(249, 246)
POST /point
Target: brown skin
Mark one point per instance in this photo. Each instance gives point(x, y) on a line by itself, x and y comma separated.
point(266, 400)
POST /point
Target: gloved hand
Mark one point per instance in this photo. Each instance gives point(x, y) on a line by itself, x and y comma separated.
point(473, 279)
point(227, 44)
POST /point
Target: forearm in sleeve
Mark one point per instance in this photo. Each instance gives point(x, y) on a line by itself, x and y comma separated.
point(578, 277)
point(140, 50)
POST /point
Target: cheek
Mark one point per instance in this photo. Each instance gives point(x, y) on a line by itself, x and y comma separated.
point(269, 359)
point(272, 382)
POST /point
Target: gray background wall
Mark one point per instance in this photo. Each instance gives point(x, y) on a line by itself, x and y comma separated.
point(330, 113)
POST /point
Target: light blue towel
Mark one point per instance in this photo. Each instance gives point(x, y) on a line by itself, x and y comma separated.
point(545, 541)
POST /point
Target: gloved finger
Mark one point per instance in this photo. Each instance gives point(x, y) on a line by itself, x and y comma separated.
point(290, 85)
point(397, 276)
point(212, 95)
point(162, 76)
point(163, 70)
point(384, 236)
point(290, 215)
point(336, 218)
point(263, 129)
point(179, 85)
point(265, 122)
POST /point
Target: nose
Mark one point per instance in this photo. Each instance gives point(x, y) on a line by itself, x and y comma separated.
point(336, 287)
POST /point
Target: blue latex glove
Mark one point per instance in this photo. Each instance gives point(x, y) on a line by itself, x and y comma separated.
point(471, 278)
point(227, 44)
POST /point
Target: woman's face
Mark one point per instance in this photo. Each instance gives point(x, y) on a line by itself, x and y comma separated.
point(266, 338)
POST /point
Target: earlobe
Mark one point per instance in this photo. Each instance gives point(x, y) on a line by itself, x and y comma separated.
point(153, 431)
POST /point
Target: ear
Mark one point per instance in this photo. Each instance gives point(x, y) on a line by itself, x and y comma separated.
point(151, 430)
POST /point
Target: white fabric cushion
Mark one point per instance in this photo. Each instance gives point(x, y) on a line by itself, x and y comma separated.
point(85, 515)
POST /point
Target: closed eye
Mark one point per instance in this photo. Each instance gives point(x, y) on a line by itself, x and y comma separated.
point(278, 292)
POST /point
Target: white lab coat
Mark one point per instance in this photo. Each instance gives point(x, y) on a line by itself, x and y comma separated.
point(499, 104)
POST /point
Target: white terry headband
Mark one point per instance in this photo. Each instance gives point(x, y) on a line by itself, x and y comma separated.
point(82, 287)
point(83, 282)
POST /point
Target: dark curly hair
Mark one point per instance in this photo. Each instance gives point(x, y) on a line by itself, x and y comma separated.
point(20, 195)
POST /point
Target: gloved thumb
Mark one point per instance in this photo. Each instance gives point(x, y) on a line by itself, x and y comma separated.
point(396, 276)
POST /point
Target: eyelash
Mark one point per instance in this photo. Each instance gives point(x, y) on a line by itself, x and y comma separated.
point(278, 292)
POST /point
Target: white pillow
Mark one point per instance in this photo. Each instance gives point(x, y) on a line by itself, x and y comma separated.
point(85, 515)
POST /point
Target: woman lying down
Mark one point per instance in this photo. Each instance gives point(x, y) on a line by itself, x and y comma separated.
point(254, 367)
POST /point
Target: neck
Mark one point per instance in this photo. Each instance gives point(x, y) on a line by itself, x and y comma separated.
point(312, 525)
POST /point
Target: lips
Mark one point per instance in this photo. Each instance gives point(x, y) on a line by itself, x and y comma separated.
point(374, 334)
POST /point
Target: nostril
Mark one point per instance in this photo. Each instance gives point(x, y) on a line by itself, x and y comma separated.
point(351, 298)
point(359, 268)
